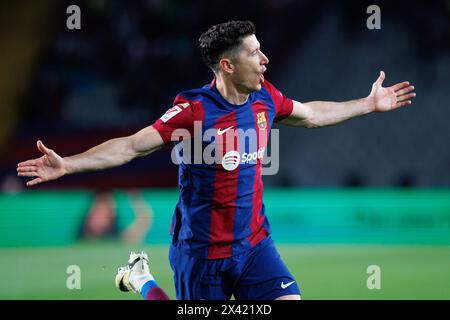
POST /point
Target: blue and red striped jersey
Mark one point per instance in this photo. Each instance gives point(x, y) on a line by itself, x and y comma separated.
point(220, 212)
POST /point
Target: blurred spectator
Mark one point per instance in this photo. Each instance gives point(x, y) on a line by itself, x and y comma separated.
point(11, 184)
point(101, 218)
point(136, 231)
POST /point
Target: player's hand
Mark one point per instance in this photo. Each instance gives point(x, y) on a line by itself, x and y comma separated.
point(386, 99)
point(48, 167)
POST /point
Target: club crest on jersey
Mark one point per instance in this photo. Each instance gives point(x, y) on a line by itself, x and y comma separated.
point(261, 120)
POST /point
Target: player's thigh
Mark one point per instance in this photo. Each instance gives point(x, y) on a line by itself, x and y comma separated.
point(266, 277)
point(197, 279)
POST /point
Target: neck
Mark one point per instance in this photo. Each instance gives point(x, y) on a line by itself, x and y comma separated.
point(229, 91)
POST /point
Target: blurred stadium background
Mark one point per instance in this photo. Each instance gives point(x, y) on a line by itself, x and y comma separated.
point(371, 191)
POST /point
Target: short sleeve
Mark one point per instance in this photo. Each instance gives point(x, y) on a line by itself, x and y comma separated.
point(180, 116)
point(283, 104)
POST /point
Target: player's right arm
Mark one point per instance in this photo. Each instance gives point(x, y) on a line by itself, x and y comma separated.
point(112, 153)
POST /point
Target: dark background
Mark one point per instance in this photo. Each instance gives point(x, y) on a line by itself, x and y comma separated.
point(76, 88)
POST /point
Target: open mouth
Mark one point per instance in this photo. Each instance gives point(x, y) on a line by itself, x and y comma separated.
point(261, 76)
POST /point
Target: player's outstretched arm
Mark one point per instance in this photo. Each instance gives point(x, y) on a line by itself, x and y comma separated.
point(324, 113)
point(112, 153)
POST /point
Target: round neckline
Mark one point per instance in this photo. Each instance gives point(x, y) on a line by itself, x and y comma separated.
point(226, 102)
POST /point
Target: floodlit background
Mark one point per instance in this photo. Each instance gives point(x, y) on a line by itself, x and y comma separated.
point(373, 191)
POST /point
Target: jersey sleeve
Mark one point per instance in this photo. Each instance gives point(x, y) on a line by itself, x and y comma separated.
point(283, 104)
point(180, 116)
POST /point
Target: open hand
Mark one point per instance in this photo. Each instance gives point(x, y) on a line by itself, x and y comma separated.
point(48, 167)
point(390, 98)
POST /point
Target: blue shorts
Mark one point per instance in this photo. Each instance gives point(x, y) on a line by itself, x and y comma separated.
point(257, 274)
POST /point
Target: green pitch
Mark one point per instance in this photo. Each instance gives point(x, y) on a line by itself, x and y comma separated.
point(323, 271)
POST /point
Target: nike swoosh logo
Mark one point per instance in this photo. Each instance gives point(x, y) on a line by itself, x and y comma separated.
point(221, 132)
point(285, 285)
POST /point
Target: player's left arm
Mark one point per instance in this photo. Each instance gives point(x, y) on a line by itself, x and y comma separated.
point(324, 113)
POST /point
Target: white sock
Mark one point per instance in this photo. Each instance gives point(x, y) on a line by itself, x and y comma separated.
point(138, 280)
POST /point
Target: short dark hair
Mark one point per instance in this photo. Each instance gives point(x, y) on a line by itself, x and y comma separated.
point(222, 38)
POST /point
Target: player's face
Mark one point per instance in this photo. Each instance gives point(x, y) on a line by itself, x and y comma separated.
point(250, 64)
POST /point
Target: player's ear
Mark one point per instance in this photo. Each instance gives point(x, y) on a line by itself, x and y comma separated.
point(226, 65)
